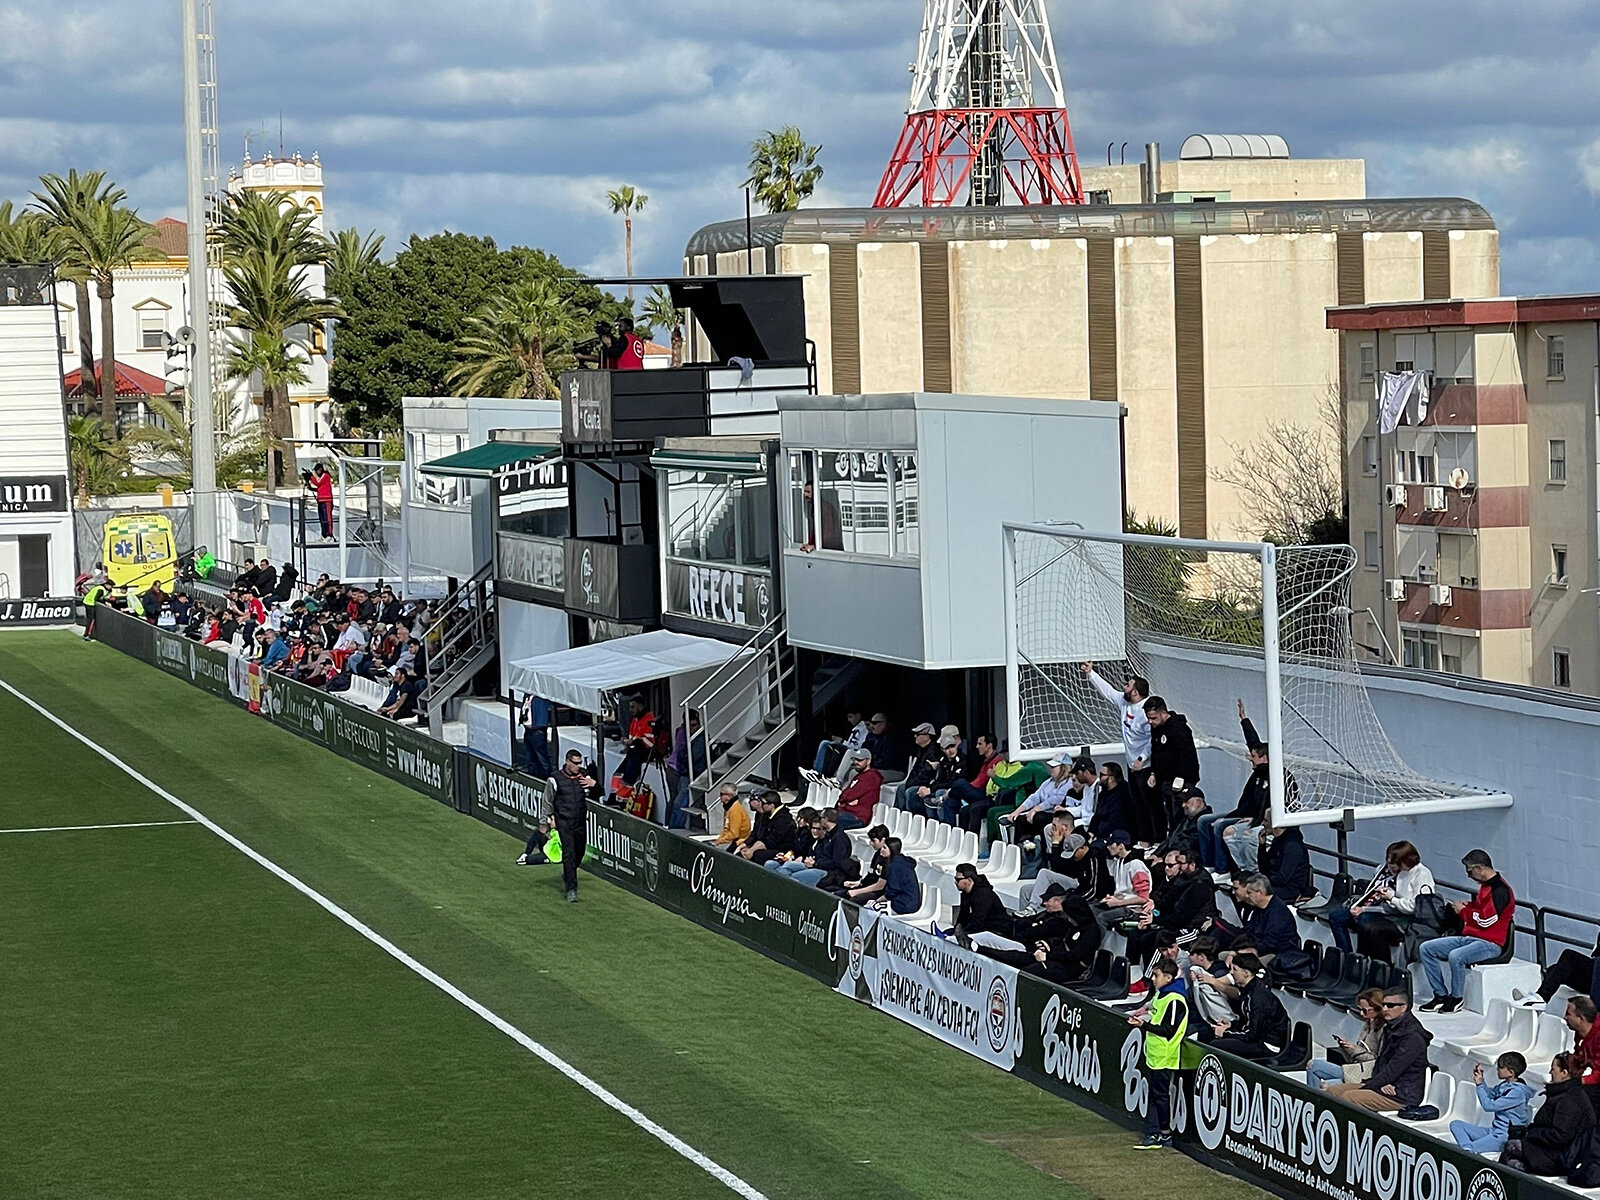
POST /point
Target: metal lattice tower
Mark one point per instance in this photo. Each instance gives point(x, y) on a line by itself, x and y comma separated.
point(211, 185)
point(987, 122)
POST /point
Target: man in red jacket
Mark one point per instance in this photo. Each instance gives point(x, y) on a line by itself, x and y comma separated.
point(862, 791)
point(1485, 926)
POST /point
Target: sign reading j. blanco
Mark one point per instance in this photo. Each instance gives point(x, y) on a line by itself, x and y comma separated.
point(33, 493)
point(721, 594)
point(960, 997)
point(43, 610)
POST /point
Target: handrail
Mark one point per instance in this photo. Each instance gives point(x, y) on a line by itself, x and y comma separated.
point(733, 665)
point(1537, 929)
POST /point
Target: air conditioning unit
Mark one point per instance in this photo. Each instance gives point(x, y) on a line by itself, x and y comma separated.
point(1394, 494)
point(1433, 499)
point(1394, 589)
point(1439, 594)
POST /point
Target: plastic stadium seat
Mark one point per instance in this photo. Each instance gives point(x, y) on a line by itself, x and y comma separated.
point(1377, 976)
point(1313, 948)
point(1327, 977)
point(1099, 971)
point(1338, 892)
point(1115, 986)
point(1297, 1054)
point(1522, 1032)
point(1005, 864)
point(1552, 1038)
point(1496, 1024)
point(1352, 971)
point(959, 847)
point(1456, 1100)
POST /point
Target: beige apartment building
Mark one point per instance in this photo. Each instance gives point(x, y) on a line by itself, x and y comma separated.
point(1476, 525)
point(1204, 318)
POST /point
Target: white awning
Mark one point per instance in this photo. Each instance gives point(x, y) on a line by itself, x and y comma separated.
point(578, 677)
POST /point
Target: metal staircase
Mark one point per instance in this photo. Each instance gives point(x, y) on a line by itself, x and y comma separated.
point(460, 643)
point(747, 712)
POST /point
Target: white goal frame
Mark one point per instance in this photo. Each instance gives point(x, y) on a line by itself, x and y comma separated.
point(1267, 555)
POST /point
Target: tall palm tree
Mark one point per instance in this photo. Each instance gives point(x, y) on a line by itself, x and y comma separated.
point(519, 343)
point(350, 254)
point(783, 169)
point(662, 313)
point(67, 204)
point(27, 238)
point(268, 241)
point(167, 442)
point(627, 201)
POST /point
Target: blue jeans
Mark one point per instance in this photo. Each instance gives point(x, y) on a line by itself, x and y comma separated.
point(1476, 1138)
point(906, 800)
point(1213, 853)
point(1340, 922)
point(796, 868)
point(677, 818)
point(1322, 1072)
point(1458, 953)
point(848, 820)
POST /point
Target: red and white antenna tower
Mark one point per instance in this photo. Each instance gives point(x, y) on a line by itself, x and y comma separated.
point(987, 123)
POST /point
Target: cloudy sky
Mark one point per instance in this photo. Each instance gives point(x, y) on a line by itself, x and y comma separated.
point(512, 117)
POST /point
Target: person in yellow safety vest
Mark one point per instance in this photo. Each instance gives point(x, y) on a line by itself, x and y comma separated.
point(1165, 1022)
point(543, 847)
point(92, 597)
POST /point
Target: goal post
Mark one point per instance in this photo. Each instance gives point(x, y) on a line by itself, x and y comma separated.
point(1210, 625)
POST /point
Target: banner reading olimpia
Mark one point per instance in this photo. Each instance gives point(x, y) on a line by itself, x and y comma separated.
point(1232, 1114)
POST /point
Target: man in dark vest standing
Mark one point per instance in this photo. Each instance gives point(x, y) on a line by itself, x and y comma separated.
point(572, 817)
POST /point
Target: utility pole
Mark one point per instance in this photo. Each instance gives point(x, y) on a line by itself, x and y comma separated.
point(201, 415)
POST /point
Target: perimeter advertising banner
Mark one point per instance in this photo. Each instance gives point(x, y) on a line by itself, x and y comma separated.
point(509, 800)
point(362, 737)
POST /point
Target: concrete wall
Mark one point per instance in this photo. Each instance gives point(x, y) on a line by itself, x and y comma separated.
point(1019, 317)
point(1393, 266)
point(890, 286)
point(1243, 178)
point(1147, 375)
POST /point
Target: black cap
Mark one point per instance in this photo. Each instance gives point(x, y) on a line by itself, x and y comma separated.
point(1054, 891)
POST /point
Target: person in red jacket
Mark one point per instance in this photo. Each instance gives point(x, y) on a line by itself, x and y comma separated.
point(1485, 926)
point(320, 482)
point(861, 792)
point(1580, 1018)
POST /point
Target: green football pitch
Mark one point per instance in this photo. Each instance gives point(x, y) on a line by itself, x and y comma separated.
point(177, 1020)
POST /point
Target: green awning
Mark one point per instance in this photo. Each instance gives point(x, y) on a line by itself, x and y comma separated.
point(481, 462)
point(695, 460)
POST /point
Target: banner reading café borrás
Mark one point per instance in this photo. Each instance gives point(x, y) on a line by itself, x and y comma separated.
point(1232, 1114)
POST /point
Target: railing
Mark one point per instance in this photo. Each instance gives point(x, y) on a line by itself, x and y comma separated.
point(464, 625)
point(1538, 928)
point(722, 706)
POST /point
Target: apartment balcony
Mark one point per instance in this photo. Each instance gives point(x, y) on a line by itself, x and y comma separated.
point(1437, 506)
point(1426, 604)
point(1477, 404)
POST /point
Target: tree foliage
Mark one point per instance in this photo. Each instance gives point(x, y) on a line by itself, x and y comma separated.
point(404, 319)
point(520, 342)
point(660, 313)
point(166, 443)
point(783, 169)
point(1290, 481)
point(98, 462)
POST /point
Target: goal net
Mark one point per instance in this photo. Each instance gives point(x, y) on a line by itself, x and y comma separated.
point(1208, 624)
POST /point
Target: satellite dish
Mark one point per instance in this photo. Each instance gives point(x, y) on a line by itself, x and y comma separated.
point(185, 335)
point(1459, 478)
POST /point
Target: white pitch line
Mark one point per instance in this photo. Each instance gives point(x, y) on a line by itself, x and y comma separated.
point(710, 1166)
point(71, 828)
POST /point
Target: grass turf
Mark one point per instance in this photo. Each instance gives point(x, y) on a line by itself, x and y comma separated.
point(181, 1023)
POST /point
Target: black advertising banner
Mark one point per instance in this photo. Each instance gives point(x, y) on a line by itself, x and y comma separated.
point(509, 800)
point(590, 573)
point(586, 406)
point(724, 595)
point(402, 753)
point(40, 610)
point(33, 493)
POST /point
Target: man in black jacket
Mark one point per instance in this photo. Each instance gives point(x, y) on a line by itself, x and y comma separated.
point(925, 762)
point(1287, 864)
point(1174, 767)
point(1263, 1025)
point(1114, 803)
point(771, 833)
point(981, 914)
point(572, 815)
point(1267, 919)
point(827, 861)
point(1060, 939)
point(1185, 834)
point(1400, 1074)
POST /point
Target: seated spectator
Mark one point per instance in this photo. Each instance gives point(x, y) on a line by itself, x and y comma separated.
point(862, 792)
point(933, 796)
point(1046, 924)
point(968, 801)
point(1351, 1062)
point(902, 893)
point(872, 882)
point(735, 818)
point(1286, 863)
point(1268, 923)
point(1070, 785)
point(925, 760)
point(1186, 900)
point(1113, 803)
point(1400, 1068)
point(806, 820)
point(1063, 959)
point(1060, 847)
point(274, 650)
point(891, 749)
point(831, 750)
point(1262, 1027)
point(1485, 926)
point(826, 859)
point(1580, 1018)
point(639, 743)
point(772, 833)
point(1209, 991)
point(1574, 969)
point(541, 841)
point(981, 917)
point(1508, 1101)
point(401, 702)
point(1185, 833)
point(1010, 783)
point(1380, 913)
point(1131, 882)
point(1561, 1127)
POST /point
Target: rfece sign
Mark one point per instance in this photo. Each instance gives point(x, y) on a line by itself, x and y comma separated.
point(33, 493)
point(723, 595)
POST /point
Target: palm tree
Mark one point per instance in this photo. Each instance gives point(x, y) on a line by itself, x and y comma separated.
point(66, 205)
point(520, 343)
point(27, 238)
point(627, 201)
point(268, 241)
point(97, 461)
point(783, 169)
point(662, 313)
point(167, 442)
point(350, 254)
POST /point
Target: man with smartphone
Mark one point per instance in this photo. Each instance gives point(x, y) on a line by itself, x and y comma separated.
point(573, 786)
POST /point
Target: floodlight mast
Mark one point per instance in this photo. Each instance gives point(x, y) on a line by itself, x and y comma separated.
point(199, 123)
point(987, 122)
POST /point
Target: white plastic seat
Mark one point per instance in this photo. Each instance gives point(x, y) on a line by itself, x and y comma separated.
point(1009, 869)
point(1456, 1100)
point(1551, 1038)
point(1496, 1024)
point(1524, 1029)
